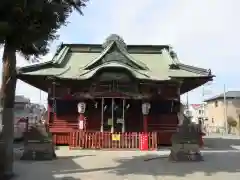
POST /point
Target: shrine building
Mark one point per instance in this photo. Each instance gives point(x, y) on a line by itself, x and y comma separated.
point(114, 88)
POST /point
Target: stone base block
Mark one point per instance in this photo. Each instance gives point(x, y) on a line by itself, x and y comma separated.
point(39, 151)
point(185, 152)
point(185, 157)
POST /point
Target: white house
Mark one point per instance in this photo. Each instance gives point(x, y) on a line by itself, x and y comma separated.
point(197, 112)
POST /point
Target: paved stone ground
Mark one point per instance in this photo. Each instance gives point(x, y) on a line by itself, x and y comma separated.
point(222, 161)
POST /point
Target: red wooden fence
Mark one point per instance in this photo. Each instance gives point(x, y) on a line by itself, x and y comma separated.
point(107, 140)
point(61, 138)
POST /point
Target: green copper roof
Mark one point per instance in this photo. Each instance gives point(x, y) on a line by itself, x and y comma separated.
point(143, 62)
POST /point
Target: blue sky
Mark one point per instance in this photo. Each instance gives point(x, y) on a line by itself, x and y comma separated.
point(203, 33)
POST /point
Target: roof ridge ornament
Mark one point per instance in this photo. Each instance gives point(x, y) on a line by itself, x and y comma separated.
point(115, 38)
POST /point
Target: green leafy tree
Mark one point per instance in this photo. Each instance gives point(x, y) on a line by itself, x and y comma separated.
point(232, 123)
point(26, 27)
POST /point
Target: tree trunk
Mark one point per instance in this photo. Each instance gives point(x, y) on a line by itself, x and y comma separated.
point(7, 102)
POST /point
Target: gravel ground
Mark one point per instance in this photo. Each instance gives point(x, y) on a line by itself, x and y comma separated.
point(222, 161)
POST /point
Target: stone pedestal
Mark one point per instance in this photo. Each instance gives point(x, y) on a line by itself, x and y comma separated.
point(185, 142)
point(38, 145)
point(185, 152)
point(39, 151)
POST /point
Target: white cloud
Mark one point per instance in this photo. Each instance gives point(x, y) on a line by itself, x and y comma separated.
point(202, 32)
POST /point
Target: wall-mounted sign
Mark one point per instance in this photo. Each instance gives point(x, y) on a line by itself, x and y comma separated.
point(110, 122)
point(115, 137)
point(120, 121)
point(81, 124)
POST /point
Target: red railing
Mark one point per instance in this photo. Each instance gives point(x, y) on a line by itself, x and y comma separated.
point(107, 140)
point(61, 138)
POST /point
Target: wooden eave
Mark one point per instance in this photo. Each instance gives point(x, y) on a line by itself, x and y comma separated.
point(43, 82)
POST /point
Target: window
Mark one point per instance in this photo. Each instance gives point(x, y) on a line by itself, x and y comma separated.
point(199, 112)
point(216, 104)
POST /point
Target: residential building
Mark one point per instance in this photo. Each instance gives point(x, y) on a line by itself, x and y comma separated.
point(216, 108)
point(197, 112)
point(24, 108)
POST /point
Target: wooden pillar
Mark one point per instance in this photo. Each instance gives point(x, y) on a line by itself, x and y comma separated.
point(181, 107)
point(48, 113)
point(51, 108)
point(54, 102)
point(123, 116)
point(102, 116)
point(112, 126)
point(145, 123)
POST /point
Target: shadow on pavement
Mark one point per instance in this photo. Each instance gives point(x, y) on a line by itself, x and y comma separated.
point(162, 167)
point(155, 164)
point(47, 170)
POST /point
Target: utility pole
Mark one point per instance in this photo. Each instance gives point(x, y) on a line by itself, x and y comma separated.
point(225, 109)
point(203, 105)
